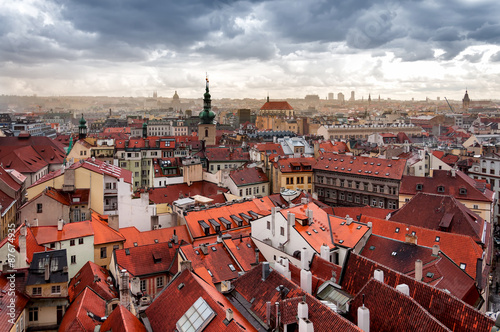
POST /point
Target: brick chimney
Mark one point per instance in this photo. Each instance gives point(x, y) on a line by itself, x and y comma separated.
point(186, 265)
point(418, 270)
point(435, 250)
point(411, 239)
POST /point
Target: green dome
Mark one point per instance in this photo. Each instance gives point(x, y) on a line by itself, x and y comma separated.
point(82, 121)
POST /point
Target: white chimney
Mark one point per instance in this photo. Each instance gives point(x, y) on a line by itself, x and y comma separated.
point(325, 252)
point(369, 224)
point(305, 325)
point(453, 173)
point(418, 270)
point(229, 314)
point(304, 200)
point(304, 264)
point(306, 281)
point(265, 270)
point(23, 256)
point(379, 275)
point(403, 288)
point(435, 250)
point(291, 218)
point(348, 220)
point(302, 310)
point(309, 214)
point(60, 224)
point(364, 318)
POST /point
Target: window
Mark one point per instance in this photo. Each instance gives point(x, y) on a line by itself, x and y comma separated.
point(282, 231)
point(80, 240)
point(308, 179)
point(53, 245)
point(143, 285)
point(438, 238)
point(37, 291)
point(103, 252)
point(268, 224)
point(116, 247)
point(419, 186)
point(71, 242)
point(33, 314)
point(73, 259)
point(463, 266)
point(39, 210)
point(475, 206)
point(231, 267)
point(440, 189)
point(397, 230)
point(196, 317)
point(56, 289)
point(136, 164)
point(159, 282)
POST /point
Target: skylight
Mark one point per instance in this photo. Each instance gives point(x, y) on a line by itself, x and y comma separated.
point(196, 317)
point(231, 267)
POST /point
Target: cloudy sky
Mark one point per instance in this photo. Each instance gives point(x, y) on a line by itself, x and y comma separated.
point(395, 49)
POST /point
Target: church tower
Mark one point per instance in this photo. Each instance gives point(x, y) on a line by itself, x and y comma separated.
point(206, 127)
point(466, 101)
point(82, 128)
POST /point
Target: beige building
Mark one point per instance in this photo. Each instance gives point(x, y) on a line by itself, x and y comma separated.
point(336, 132)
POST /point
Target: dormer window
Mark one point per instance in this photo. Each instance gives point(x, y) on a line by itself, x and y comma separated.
point(441, 189)
point(463, 191)
point(420, 186)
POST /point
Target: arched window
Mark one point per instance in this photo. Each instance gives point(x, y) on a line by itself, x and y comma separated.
point(206, 132)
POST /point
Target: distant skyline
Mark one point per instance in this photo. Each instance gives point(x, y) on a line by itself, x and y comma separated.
point(287, 49)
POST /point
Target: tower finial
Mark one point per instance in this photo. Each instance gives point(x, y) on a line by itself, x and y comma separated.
point(267, 96)
point(207, 82)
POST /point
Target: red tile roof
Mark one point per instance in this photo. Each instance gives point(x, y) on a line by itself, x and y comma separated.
point(40, 147)
point(270, 148)
point(103, 233)
point(258, 292)
point(32, 245)
point(158, 258)
point(216, 260)
point(218, 154)
point(355, 212)
point(293, 165)
point(122, 320)
point(441, 213)
point(8, 294)
point(362, 166)
point(248, 175)
point(446, 308)
point(226, 211)
point(173, 192)
point(8, 178)
point(243, 251)
point(95, 277)
point(460, 248)
point(132, 235)
point(276, 106)
point(50, 234)
point(460, 186)
point(77, 318)
point(184, 291)
point(325, 228)
point(381, 299)
point(5, 202)
point(332, 146)
point(401, 257)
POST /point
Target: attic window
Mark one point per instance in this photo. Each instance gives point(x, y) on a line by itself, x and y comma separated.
point(378, 164)
point(394, 253)
point(438, 238)
point(315, 231)
point(376, 172)
point(366, 163)
point(386, 174)
point(197, 252)
point(322, 228)
point(463, 191)
point(231, 267)
point(413, 233)
point(135, 244)
point(441, 189)
point(210, 272)
point(429, 275)
point(156, 240)
point(359, 171)
point(397, 230)
point(248, 245)
point(372, 247)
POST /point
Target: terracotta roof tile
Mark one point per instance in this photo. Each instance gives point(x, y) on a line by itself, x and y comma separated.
point(363, 166)
point(293, 165)
point(248, 175)
point(133, 236)
point(93, 276)
point(122, 320)
point(50, 234)
point(276, 106)
point(355, 212)
point(218, 154)
point(20, 302)
point(103, 233)
point(446, 308)
point(243, 251)
point(173, 192)
point(460, 248)
point(76, 317)
point(8, 178)
point(184, 291)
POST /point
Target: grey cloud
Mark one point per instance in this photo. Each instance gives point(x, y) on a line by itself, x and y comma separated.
point(495, 57)
point(473, 58)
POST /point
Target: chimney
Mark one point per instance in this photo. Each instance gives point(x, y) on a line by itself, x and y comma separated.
point(479, 273)
point(302, 310)
point(186, 265)
point(174, 238)
point(325, 252)
point(265, 270)
point(35, 222)
point(453, 173)
point(309, 214)
point(47, 272)
point(113, 222)
point(364, 317)
point(219, 237)
point(257, 256)
point(348, 220)
point(435, 250)
point(306, 281)
point(291, 218)
point(204, 249)
point(304, 200)
point(403, 288)
point(277, 305)
point(305, 325)
point(124, 289)
point(418, 270)
point(60, 224)
point(229, 314)
point(304, 264)
point(369, 224)
point(411, 239)
point(268, 313)
point(378, 275)
point(22, 247)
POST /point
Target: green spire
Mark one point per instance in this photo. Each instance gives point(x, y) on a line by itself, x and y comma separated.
point(207, 116)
